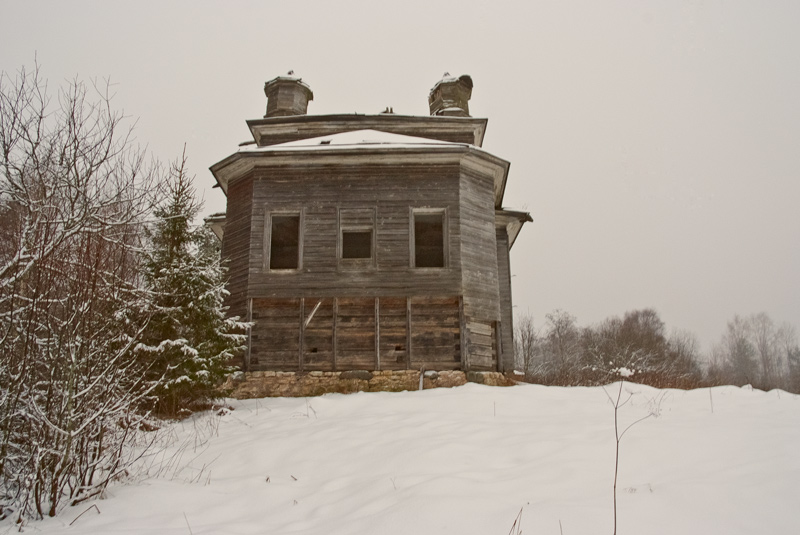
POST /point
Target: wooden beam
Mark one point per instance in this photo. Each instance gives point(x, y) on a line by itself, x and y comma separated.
point(333, 342)
point(302, 333)
point(246, 363)
point(462, 326)
point(408, 333)
point(499, 345)
point(311, 316)
point(377, 333)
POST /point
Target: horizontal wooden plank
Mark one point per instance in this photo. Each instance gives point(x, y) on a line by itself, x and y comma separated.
point(479, 328)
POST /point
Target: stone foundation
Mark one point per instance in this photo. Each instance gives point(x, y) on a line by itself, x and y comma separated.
point(260, 384)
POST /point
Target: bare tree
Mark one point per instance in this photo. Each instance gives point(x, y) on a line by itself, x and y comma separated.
point(765, 341)
point(754, 350)
point(563, 338)
point(740, 353)
point(73, 192)
point(526, 344)
point(683, 350)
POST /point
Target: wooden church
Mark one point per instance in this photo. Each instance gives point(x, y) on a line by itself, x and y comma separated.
point(369, 242)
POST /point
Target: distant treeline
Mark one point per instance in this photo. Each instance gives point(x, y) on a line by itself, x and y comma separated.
point(752, 350)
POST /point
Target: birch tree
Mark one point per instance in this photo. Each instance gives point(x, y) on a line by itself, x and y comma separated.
point(73, 193)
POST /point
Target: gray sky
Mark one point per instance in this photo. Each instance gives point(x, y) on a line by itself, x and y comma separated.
point(656, 144)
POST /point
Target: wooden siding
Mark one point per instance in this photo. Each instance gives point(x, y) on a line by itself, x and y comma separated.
point(350, 333)
point(325, 194)
point(366, 313)
point(506, 311)
point(479, 269)
point(435, 333)
point(318, 325)
point(355, 334)
point(275, 338)
point(236, 245)
point(481, 348)
point(393, 333)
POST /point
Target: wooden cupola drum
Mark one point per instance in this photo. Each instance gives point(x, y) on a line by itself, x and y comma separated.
point(287, 95)
point(450, 96)
point(369, 241)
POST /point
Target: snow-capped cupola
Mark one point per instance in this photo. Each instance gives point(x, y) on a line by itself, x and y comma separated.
point(450, 96)
point(287, 95)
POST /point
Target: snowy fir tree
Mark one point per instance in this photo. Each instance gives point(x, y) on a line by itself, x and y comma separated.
point(189, 340)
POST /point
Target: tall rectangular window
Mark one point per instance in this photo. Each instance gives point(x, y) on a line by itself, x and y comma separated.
point(284, 243)
point(429, 239)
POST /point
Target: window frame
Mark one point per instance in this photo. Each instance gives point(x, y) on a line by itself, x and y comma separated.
point(283, 212)
point(343, 226)
point(443, 212)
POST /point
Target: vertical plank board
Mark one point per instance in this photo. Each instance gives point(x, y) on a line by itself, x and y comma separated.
point(499, 345)
point(335, 338)
point(377, 333)
point(462, 325)
point(302, 329)
point(408, 333)
point(249, 334)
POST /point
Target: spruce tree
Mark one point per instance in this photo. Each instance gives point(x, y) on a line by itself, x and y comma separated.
point(189, 340)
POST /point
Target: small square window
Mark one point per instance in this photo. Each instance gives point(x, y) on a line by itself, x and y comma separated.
point(356, 247)
point(357, 244)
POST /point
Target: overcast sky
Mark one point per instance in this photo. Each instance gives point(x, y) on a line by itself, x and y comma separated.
point(655, 143)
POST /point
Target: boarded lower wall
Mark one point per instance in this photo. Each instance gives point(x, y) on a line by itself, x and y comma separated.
point(355, 333)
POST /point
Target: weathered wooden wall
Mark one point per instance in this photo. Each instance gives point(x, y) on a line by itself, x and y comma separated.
point(355, 333)
point(479, 269)
point(321, 193)
point(236, 245)
point(506, 307)
point(383, 314)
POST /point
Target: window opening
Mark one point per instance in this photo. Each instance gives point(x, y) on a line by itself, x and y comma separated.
point(428, 240)
point(284, 251)
point(357, 244)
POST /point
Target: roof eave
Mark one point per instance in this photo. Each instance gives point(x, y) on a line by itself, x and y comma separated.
point(315, 125)
point(513, 222)
point(239, 163)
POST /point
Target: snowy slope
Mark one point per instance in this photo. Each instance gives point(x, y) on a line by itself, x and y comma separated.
point(466, 460)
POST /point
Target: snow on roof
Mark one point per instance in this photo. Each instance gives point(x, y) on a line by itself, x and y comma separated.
point(356, 138)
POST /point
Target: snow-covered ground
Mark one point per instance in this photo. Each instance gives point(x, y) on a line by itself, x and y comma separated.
point(466, 460)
